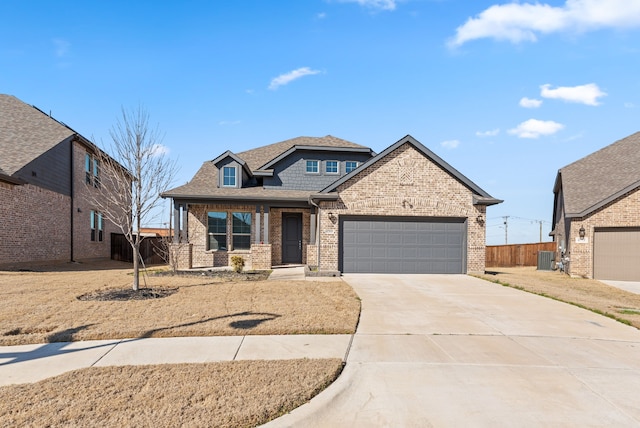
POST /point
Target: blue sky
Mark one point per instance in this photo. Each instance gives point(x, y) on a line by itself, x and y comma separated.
point(506, 92)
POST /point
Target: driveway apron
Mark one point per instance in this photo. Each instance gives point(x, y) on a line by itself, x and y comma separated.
point(453, 350)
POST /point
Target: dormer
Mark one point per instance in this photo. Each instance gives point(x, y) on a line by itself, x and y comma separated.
point(233, 172)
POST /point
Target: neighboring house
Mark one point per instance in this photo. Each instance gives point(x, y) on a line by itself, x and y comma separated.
point(596, 213)
point(333, 204)
point(47, 172)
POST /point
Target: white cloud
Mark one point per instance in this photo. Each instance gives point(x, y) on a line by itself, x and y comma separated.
point(61, 47)
point(534, 128)
point(491, 133)
point(374, 4)
point(289, 77)
point(584, 94)
point(519, 22)
point(530, 103)
point(159, 150)
point(450, 144)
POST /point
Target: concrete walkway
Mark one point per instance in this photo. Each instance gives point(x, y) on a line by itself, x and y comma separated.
point(31, 363)
point(630, 286)
point(445, 351)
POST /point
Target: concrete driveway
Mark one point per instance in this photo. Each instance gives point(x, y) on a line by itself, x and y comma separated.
point(452, 350)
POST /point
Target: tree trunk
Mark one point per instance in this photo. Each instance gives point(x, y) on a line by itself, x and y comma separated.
point(136, 268)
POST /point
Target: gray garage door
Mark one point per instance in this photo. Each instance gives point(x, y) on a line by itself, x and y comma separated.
point(401, 245)
point(616, 254)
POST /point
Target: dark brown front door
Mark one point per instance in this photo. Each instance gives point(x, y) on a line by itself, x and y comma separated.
point(291, 238)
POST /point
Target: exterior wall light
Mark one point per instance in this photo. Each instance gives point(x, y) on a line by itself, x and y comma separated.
point(581, 232)
point(333, 218)
point(480, 220)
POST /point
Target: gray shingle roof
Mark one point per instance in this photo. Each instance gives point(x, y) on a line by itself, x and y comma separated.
point(204, 182)
point(599, 178)
point(26, 133)
point(262, 155)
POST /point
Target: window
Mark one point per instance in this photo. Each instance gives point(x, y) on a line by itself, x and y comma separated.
point(97, 226)
point(229, 176)
point(331, 167)
point(350, 166)
point(217, 231)
point(312, 167)
point(241, 231)
point(91, 170)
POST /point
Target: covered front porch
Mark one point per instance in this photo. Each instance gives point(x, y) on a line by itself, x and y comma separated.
point(209, 233)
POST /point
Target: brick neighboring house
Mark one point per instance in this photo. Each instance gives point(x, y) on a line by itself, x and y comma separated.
point(334, 204)
point(596, 214)
point(47, 172)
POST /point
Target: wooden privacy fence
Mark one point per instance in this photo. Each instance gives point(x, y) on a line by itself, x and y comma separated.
point(516, 254)
point(122, 251)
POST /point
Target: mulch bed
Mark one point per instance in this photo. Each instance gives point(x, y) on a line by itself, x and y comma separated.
point(225, 275)
point(121, 294)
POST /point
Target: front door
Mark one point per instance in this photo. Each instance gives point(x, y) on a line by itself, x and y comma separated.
point(291, 238)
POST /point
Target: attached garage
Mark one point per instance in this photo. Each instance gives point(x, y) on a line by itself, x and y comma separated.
point(616, 254)
point(403, 245)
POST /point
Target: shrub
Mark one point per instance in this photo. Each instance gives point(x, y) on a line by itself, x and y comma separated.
point(237, 263)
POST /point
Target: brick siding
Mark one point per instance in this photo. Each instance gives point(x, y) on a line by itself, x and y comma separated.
point(404, 183)
point(623, 212)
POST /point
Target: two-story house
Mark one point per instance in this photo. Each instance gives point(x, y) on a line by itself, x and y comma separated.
point(48, 174)
point(335, 205)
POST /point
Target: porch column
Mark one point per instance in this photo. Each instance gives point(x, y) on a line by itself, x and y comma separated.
point(257, 236)
point(176, 223)
point(312, 226)
point(265, 239)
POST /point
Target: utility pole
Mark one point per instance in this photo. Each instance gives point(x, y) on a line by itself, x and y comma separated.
point(506, 226)
point(540, 221)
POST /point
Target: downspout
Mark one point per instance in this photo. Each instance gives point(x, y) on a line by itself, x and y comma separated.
point(72, 190)
point(317, 229)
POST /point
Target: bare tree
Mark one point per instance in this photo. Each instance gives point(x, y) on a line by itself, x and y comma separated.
point(132, 178)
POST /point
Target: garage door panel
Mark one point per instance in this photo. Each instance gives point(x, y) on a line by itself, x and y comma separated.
point(616, 254)
point(393, 245)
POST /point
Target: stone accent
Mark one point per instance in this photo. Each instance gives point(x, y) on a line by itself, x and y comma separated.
point(432, 193)
point(261, 256)
point(623, 212)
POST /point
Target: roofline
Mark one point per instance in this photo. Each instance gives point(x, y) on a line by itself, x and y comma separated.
point(11, 180)
point(246, 198)
point(479, 200)
point(425, 151)
point(315, 148)
point(235, 157)
point(604, 202)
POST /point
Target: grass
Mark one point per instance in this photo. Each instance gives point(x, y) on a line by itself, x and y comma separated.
point(194, 395)
point(43, 306)
point(590, 294)
point(38, 307)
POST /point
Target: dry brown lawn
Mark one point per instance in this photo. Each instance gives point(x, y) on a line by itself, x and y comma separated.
point(37, 307)
point(587, 293)
point(43, 306)
point(193, 395)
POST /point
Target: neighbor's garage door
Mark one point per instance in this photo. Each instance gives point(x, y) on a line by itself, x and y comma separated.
point(402, 245)
point(616, 254)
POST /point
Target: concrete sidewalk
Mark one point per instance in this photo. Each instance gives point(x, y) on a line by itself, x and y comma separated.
point(31, 363)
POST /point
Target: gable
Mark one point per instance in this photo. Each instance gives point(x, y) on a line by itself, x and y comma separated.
point(601, 177)
point(410, 167)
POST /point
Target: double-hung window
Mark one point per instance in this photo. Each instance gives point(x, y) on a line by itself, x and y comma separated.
point(241, 231)
point(97, 226)
point(229, 176)
point(312, 167)
point(91, 170)
point(350, 166)
point(217, 230)
point(331, 167)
